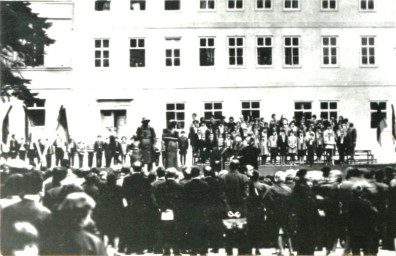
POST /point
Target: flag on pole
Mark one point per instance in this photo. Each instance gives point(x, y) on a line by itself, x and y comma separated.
point(6, 126)
point(62, 128)
point(393, 124)
point(381, 126)
point(28, 124)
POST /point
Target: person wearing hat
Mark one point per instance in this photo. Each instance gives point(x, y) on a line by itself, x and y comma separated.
point(171, 139)
point(146, 136)
point(137, 192)
point(69, 228)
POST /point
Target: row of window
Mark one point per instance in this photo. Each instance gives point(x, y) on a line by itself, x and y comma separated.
point(176, 111)
point(174, 5)
point(236, 51)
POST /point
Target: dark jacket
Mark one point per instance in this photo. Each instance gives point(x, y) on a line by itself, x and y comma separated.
point(236, 186)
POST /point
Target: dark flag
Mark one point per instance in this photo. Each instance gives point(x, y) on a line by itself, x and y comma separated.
point(28, 124)
point(381, 126)
point(62, 128)
point(393, 124)
point(6, 126)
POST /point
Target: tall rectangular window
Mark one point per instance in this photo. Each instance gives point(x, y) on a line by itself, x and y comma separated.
point(302, 109)
point(328, 5)
point(206, 51)
point(264, 50)
point(102, 5)
point(176, 111)
point(291, 5)
point(172, 5)
point(367, 5)
point(102, 53)
point(377, 112)
point(172, 51)
point(207, 4)
point(263, 4)
point(292, 51)
point(137, 52)
point(368, 51)
point(235, 4)
point(329, 51)
point(251, 109)
point(236, 51)
point(36, 112)
point(329, 110)
point(213, 109)
point(138, 5)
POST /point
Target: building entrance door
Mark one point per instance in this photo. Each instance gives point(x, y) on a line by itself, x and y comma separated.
point(114, 120)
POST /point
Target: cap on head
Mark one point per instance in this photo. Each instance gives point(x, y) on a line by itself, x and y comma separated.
point(145, 120)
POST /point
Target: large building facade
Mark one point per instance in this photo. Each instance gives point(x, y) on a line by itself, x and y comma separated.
point(115, 62)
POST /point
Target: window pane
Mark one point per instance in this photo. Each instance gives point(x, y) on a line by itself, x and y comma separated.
point(211, 42)
point(180, 115)
point(325, 41)
point(231, 41)
point(256, 113)
point(364, 41)
point(295, 41)
point(217, 105)
point(98, 43)
point(37, 116)
point(208, 115)
point(333, 41)
point(106, 54)
point(287, 41)
point(255, 104)
point(307, 105)
point(208, 105)
point(382, 105)
point(202, 42)
point(246, 104)
point(333, 115)
point(168, 62)
point(324, 105)
point(333, 105)
point(106, 43)
point(170, 106)
point(373, 105)
point(137, 58)
point(177, 62)
point(240, 41)
point(297, 105)
point(176, 53)
point(260, 41)
point(98, 54)
point(218, 114)
point(325, 115)
point(97, 63)
point(141, 42)
point(133, 43)
point(180, 106)
point(268, 41)
point(106, 63)
point(170, 115)
point(168, 53)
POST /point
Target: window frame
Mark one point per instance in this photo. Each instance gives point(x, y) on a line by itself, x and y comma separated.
point(264, 46)
point(175, 111)
point(303, 109)
point(34, 107)
point(328, 110)
point(299, 52)
point(207, 9)
point(235, 9)
point(367, 10)
point(323, 65)
point(328, 9)
point(251, 109)
point(102, 49)
point(172, 43)
point(373, 111)
point(243, 47)
point(213, 110)
point(207, 47)
point(138, 1)
point(263, 9)
point(368, 52)
point(291, 9)
point(102, 1)
point(137, 48)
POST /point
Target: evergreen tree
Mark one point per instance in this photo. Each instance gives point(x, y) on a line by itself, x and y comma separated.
point(23, 35)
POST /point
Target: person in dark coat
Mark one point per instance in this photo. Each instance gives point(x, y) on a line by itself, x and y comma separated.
point(216, 209)
point(58, 174)
point(160, 178)
point(14, 147)
point(282, 146)
point(183, 147)
point(98, 149)
point(110, 210)
point(137, 192)
point(109, 147)
point(69, 234)
point(196, 200)
point(236, 186)
point(169, 197)
point(305, 210)
point(146, 136)
point(249, 154)
point(90, 187)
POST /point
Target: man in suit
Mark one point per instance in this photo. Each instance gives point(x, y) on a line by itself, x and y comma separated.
point(137, 192)
point(236, 187)
point(169, 197)
point(248, 155)
point(98, 149)
point(183, 147)
point(282, 145)
point(196, 200)
point(194, 140)
point(14, 147)
point(216, 209)
point(60, 149)
point(351, 138)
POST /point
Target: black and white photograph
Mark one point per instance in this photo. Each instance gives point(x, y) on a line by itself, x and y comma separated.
point(198, 127)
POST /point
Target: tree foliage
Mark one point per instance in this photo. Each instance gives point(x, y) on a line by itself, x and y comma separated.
point(22, 33)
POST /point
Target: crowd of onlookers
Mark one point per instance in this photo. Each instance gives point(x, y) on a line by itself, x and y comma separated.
point(277, 141)
point(196, 210)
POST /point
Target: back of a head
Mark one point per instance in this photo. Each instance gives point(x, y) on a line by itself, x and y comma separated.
point(208, 172)
point(65, 163)
point(326, 171)
point(75, 208)
point(125, 169)
point(160, 172)
point(234, 165)
point(195, 172)
point(14, 184)
point(137, 166)
point(19, 238)
point(379, 175)
point(171, 173)
point(111, 179)
point(59, 174)
point(352, 172)
point(280, 177)
point(33, 182)
point(301, 174)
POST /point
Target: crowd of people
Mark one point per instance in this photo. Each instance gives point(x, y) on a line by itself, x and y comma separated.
point(210, 141)
point(196, 210)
